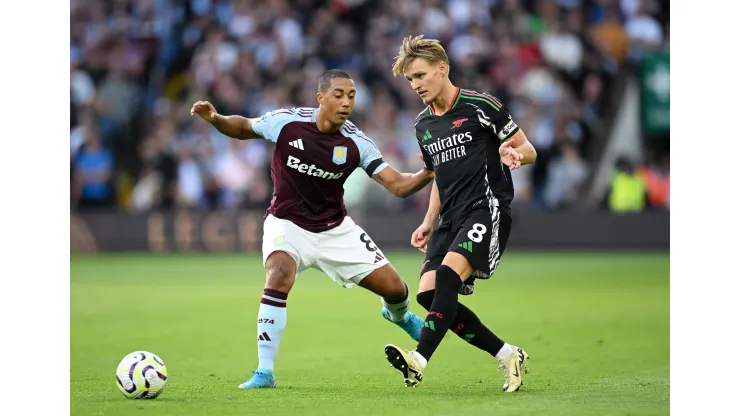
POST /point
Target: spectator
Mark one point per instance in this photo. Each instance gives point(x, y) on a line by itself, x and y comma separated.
point(92, 174)
point(627, 190)
point(610, 37)
point(644, 32)
point(561, 48)
point(658, 183)
point(137, 66)
point(566, 173)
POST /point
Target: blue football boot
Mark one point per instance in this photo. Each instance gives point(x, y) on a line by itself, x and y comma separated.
point(262, 379)
point(411, 324)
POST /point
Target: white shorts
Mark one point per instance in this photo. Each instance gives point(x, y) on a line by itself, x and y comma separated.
point(345, 253)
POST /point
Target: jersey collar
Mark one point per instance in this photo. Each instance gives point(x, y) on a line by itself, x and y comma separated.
point(453, 102)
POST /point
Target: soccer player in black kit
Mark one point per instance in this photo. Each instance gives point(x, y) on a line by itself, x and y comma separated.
point(471, 143)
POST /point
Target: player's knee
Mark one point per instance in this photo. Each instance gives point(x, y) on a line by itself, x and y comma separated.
point(279, 277)
point(396, 289)
point(280, 272)
point(425, 298)
point(387, 283)
point(447, 278)
point(427, 281)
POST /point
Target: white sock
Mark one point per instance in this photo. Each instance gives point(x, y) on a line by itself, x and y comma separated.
point(271, 321)
point(398, 310)
point(504, 352)
point(420, 358)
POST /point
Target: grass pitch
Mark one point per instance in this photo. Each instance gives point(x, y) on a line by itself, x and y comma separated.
point(595, 325)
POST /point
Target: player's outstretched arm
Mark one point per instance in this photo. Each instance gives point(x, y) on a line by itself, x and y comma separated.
point(403, 184)
point(517, 151)
point(237, 127)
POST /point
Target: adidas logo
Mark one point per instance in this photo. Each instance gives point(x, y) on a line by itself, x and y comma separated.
point(264, 337)
point(427, 136)
point(297, 143)
point(467, 245)
point(378, 257)
point(430, 325)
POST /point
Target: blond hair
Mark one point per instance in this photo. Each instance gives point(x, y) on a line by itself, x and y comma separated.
point(414, 47)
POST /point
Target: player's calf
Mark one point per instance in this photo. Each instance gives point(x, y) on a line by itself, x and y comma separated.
point(386, 283)
point(272, 317)
point(467, 326)
point(394, 295)
point(442, 311)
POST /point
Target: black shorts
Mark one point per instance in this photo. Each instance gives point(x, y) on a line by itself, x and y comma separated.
point(480, 236)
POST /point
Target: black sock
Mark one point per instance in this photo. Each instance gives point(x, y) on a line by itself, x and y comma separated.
point(467, 326)
point(472, 330)
point(441, 313)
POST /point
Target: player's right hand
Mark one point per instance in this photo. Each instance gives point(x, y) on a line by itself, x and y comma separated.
point(509, 156)
point(205, 110)
point(420, 237)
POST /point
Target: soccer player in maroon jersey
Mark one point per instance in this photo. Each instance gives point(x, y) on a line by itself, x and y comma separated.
point(306, 225)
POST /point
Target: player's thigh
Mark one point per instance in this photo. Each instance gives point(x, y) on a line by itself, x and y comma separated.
point(282, 236)
point(437, 246)
point(500, 232)
point(471, 250)
point(439, 243)
point(347, 254)
point(460, 264)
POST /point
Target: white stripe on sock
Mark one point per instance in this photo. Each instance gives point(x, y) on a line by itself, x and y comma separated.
point(274, 299)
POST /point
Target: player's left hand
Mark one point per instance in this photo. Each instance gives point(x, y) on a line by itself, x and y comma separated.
point(509, 156)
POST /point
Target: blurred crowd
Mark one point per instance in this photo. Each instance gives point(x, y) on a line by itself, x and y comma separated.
point(137, 66)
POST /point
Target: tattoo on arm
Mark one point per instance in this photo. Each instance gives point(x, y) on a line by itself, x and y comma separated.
point(378, 178)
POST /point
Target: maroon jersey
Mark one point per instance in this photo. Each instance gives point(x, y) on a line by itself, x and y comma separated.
point(309, 167)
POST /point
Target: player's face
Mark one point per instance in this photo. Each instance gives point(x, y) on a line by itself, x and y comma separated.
point(339, 100)
point(426, 78)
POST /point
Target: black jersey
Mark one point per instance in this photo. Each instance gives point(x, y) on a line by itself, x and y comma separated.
point(461, 147)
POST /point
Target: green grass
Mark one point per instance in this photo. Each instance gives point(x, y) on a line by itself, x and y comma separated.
point(595, 325)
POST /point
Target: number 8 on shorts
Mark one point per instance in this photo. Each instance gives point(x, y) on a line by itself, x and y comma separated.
point(476, 234)
point(473, 240)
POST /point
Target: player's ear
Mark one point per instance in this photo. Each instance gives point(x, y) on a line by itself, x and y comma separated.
point(320, 98)
point(443, 68)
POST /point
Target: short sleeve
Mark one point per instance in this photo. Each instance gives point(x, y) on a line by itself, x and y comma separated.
point(493, 114)
point(269, 125)
point(505, 126)
point(428, 165)
point(371, 160)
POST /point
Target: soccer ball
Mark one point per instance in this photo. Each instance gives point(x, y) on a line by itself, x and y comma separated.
point(141, 375)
